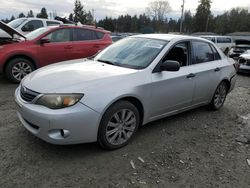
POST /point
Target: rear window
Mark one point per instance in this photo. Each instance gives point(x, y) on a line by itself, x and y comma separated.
point(202, 52)
point(223, 40)
point(99, 35)
point(51, 23)
point(83, 35)
point(216, 54)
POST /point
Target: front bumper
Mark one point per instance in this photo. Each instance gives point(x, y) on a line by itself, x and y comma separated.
point(72, 125)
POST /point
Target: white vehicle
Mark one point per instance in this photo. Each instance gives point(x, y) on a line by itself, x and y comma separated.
point(26, 25)
point(225, 43)
point(244, 62)
point(132, 82)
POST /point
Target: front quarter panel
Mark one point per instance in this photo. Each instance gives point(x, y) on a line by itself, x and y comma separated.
point(102, 95)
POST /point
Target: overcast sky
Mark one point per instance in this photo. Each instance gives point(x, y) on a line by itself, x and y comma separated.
point(109, 7)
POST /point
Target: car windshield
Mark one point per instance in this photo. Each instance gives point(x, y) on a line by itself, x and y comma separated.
point(16, 23)
point(134, 52)
point(32, 35)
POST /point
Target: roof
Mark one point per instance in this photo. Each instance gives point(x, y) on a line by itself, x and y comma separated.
point(239, 34)
point(215, 36)
point(30, 18)
point(204, 33)
point(80, 26)
point(167, 37)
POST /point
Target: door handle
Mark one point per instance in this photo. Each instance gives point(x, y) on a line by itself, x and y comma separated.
point(217, 69)
point(191, 75)
point(96, 46)
point(68, 47)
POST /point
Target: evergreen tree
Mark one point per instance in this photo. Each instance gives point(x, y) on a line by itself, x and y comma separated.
point(42, 14)
point(79, 13)
point(202, 15)
point(21, 15)
point(71, 17)
point(30, 14)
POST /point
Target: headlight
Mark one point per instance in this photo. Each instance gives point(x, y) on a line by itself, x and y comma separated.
point(57, 101)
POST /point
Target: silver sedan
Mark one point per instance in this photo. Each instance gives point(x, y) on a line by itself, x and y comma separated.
point(132, 82)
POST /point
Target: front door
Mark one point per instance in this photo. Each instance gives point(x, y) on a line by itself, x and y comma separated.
point(58, 49)
point(173, 91)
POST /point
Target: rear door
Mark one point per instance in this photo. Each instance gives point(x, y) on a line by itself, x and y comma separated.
point(87, 42)
point(58, 49)
point(206, 67)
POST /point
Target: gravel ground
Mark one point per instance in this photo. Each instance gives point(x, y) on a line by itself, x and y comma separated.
point(198, 148)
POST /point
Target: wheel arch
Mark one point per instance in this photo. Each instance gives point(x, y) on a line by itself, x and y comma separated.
point(133, 100)
point(228, 83)
point(19, 56)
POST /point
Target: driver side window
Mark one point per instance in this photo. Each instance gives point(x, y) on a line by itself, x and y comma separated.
point(179, 52)
point(60, 35)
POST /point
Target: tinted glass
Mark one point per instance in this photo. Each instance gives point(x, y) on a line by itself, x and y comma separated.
point(179, 53)
point(50, 23)
point(136, 53)
point(216, 54)
point(223, 40)
point(60, 35)
point(32, 25)
point(99, 35)
point(202, 52)
point(82, 34)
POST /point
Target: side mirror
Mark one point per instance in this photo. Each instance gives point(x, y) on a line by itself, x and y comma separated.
point(44, 40)
point(170, 65)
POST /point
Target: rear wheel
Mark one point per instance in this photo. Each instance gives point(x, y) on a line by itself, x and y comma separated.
point(17, 69)
point(118, 125)
point(219, 96)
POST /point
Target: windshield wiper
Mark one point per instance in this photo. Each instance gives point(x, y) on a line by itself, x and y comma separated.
point(106, 61)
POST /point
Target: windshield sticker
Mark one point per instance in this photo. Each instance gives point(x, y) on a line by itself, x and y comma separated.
point(158, 46)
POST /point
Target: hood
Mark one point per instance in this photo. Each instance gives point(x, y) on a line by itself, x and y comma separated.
point(72, 76)
point(246, 55)
point(9, 30)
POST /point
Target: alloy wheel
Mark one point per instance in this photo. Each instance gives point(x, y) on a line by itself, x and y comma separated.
point(121, 127)
point(220, 95)
point(20, 70)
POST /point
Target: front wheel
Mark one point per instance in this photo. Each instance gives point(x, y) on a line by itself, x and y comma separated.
point(219, 96)
point(17, 69)
point(118, 125)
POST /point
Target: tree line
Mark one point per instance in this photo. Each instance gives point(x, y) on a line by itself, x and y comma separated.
point(42, 14)
point(156, 19)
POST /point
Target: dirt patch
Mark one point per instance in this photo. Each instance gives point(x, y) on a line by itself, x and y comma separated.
point(198, 148)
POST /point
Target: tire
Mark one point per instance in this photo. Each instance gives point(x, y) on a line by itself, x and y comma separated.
point(17, 69)
point(219, 96)
point(118, 125)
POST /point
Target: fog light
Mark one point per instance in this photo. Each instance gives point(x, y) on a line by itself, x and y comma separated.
point(64, 133)
point(58, 134)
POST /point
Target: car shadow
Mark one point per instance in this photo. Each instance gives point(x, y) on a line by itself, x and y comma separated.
point(93, 149)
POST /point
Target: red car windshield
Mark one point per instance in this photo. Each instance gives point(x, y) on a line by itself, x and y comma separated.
point(34, 34)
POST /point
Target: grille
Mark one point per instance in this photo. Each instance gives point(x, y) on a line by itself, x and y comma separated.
point(27, 94)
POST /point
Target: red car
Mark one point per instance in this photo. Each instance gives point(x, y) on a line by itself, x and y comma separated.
point(20, 55)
